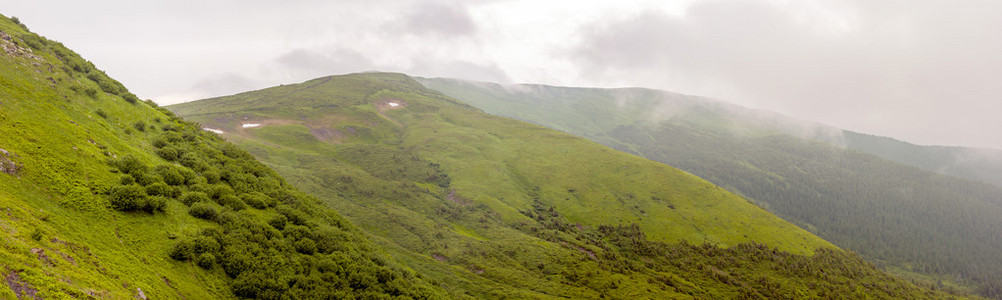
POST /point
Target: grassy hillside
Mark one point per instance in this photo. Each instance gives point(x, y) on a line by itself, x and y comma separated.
point(493, 208)
point(105, 196)
point(906, 219)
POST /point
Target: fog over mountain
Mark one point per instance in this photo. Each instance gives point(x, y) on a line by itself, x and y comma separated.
point(921, 71)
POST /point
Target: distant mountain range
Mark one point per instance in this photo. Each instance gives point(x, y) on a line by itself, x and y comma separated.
point(869, 194)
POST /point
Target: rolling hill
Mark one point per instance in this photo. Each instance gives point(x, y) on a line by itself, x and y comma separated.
point(104, 196)
point(831, 182)
point(491, 207)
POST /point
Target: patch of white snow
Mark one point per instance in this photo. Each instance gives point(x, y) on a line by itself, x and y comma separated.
point(217, 131)
point(251, 125)
point(394, 104)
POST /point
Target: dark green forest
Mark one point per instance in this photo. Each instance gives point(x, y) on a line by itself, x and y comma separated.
point(893, 214)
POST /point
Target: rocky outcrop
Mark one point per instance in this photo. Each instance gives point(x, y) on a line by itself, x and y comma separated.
point(7, 163)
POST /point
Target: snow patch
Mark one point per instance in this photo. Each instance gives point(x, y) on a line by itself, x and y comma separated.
point(251, 125)
point(394, 104)
point(217, 131)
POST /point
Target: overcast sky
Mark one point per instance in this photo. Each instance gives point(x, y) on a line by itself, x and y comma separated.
point(928, 72)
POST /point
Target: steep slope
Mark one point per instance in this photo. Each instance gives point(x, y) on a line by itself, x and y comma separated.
point(492, 207)
point(105, 196)
point(906, 219)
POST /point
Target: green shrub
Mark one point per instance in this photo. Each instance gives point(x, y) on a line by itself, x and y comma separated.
point(146, 178)
point(139, 125)
point(278, 222)
point(195, 162)
point(203, 210)
point(194, 197)
point(91, 92)
point(168, 153)
point(293, 215)
point(131, 98)
point(232, 201)
point(159, 189)
point(190, 177)
point(36, 234)
point(205, 244)
point(200, 185)
point(306, 246)
point(170, 174)
point(100, 112)
point(160, 142)
point(181, 251)
point(212, 176)
point(234, 262)
point(171, 136)
point(219, 191)
point(296, 232)
point(256, 200)
point(127, 180)
point(128, 164)
point(155, 204)
point(206, 260)
point(127, 197)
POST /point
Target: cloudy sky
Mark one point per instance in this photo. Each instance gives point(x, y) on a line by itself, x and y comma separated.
point(928, 72)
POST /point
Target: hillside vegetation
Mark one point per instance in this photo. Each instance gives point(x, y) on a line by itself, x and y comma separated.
point(105, 196)
point(905, 219)
point(490, 207)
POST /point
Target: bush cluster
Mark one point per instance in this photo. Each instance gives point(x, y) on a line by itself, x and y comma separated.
point(272, 253)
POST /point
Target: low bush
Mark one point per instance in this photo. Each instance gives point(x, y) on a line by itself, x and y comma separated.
point(170, 174)
point(232, 201)
point(168, 153)
point(155, 204)
point(128, 197)
point(181, 251)
point(100, 112)
point(203, 210)
point(306, 246)
point(194, 197)
point(139, 125)
point(278, 222)
point(256, 200)
point(206, 261)
point(159, 189)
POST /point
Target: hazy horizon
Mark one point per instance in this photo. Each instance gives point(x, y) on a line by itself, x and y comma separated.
point(919, 71)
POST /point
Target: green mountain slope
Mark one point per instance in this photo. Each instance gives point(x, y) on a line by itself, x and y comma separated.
point(906, 219)
point(493, 208)
point(104, 196)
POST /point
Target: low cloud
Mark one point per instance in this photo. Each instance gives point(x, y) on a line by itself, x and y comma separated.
point(435, 19)
point(913, 70)
point(303, 63)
